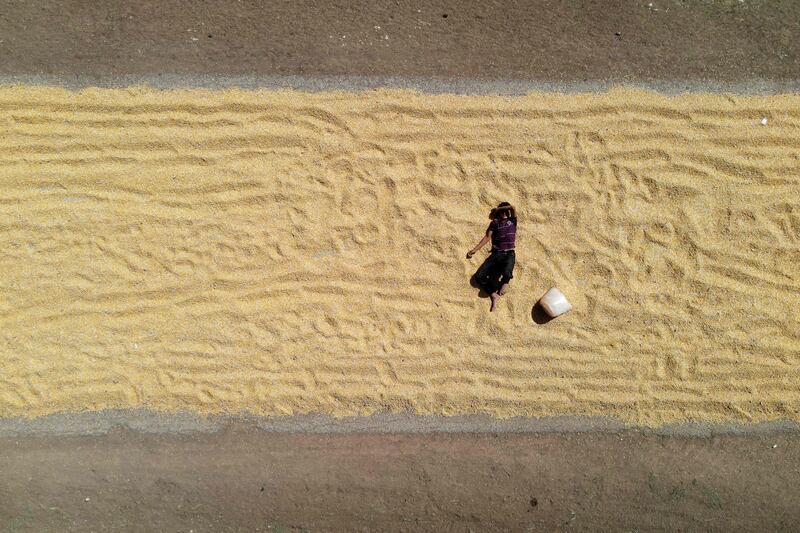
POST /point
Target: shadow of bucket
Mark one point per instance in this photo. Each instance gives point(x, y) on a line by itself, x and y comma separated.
point(539, 315)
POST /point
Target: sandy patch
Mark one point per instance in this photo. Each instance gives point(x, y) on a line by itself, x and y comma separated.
point(283, 252)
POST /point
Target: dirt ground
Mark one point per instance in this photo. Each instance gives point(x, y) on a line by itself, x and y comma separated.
point(248, 480)
point(615, 41)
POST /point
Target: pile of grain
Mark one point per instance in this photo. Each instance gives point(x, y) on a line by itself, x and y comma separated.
point(284, 252)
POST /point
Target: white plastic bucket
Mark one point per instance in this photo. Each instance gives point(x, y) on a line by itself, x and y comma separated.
point(555, 303)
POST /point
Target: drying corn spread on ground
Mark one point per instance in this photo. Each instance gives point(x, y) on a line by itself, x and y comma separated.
point(286, 252)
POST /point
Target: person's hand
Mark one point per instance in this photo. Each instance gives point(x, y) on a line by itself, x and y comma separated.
point(470, 254)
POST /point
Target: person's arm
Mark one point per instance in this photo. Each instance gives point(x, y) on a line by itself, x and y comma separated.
point(486, 238)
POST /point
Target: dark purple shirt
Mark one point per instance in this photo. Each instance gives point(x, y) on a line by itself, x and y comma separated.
point(504, 232)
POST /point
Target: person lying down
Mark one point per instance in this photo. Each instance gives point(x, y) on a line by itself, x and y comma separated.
point(496, 272)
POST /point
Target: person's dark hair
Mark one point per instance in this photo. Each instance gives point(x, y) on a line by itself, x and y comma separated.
point(503, 206)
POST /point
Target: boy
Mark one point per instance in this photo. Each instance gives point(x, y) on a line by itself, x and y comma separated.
point(502, 231)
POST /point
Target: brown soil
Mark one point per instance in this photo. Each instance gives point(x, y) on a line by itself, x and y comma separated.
point(247, 480)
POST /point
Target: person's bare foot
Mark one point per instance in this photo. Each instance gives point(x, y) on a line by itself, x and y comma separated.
point(503, 289)
point(494, 296)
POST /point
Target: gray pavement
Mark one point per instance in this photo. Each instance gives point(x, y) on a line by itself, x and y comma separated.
point(464, 46)
point(146, 421)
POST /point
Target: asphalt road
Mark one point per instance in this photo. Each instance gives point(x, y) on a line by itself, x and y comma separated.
point(599, 41)
point(248, 480)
